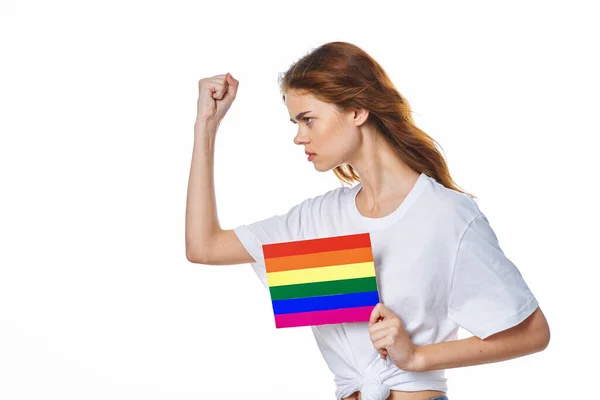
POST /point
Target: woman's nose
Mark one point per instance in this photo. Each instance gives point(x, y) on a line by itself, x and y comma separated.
point(299, 138)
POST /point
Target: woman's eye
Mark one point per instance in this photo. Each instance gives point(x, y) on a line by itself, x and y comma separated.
point(305, 118)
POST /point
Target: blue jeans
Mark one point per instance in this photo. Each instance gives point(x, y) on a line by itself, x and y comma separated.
point(444, 397)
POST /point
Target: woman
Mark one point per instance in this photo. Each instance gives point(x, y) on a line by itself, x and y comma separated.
point(438, 262)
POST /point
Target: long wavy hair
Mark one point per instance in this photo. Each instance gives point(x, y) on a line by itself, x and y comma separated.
point(344, 75)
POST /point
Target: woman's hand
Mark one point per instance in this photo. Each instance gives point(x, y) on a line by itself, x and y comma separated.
point(215, 95)
point(390, 338)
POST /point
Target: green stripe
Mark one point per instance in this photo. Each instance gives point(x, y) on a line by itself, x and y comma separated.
point(341, 286)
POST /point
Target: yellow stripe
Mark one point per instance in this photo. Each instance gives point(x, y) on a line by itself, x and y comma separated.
point(321, 274)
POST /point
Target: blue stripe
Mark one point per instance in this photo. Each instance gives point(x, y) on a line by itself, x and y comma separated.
point(320, 303)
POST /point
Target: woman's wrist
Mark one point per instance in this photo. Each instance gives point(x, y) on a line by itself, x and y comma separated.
point(417, 362)
point(206, 124)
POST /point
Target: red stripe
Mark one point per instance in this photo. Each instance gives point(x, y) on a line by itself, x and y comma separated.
point(354, 314)
point(318, 245)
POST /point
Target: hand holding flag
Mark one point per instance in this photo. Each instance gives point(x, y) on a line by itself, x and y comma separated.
point(390, 338)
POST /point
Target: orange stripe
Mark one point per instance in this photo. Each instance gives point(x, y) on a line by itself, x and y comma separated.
point(318, 245)
point(324, 259)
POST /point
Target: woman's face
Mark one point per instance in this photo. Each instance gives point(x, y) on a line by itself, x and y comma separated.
point(332, 135)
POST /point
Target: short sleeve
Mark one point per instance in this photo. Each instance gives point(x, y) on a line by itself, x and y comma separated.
point(278, 228)
point(487, 293)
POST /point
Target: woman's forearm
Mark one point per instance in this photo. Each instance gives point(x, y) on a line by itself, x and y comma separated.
point(201, 220)
point(530, 336)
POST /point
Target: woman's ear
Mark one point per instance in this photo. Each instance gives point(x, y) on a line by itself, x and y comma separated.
point(361, 115)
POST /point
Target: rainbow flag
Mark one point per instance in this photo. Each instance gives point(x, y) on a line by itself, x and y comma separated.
point(321, 281)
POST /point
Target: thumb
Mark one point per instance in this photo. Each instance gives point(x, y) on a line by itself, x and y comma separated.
point(233, 84)
point(376, 313)
point(385, 312)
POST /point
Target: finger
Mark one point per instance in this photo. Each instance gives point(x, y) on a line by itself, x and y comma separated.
point(222, 90)
point(216, 80)
point(383, 354)
point(383, 324)
point(382, 344)
point(379, 345)
point(375, 314)
point(215, 87)
point(379, 334)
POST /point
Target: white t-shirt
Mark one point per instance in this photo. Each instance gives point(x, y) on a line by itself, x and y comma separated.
point(438, 266)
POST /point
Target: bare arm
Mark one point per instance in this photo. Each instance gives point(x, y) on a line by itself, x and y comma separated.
point(201, 220)
point(205, 241)
point(530, 336)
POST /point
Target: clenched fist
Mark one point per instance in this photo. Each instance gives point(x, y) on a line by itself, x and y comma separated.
point(215, 95)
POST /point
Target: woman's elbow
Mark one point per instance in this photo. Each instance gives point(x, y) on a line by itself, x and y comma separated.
point(541, 331)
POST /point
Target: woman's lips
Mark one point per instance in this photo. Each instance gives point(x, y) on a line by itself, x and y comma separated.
point(311, 157)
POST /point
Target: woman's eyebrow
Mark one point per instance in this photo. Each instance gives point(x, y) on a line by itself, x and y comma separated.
point(300, 115)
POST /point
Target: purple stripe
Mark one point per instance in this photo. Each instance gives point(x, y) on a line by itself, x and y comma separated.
point(354, 314)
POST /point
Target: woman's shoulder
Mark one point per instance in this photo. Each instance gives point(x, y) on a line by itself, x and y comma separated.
point(452, 201)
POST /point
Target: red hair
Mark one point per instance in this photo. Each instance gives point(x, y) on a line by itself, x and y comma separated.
point(344, 75)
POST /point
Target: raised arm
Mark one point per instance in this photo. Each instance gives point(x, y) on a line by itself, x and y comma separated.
point(205, 241)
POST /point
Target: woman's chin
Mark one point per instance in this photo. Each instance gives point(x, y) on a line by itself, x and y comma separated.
point(320, 168)
point(316, 165)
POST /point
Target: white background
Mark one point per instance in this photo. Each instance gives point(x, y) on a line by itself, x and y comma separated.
point(98, 103)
